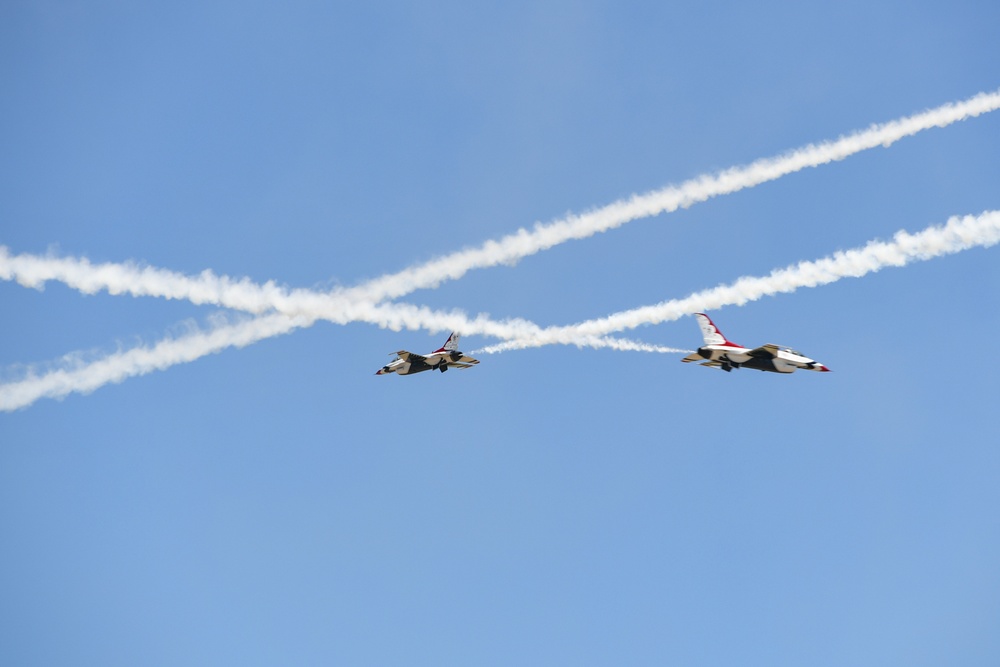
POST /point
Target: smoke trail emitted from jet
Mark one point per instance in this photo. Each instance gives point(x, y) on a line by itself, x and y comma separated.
point(523, 243)
point(77, 377)
point(359, 303)
point(959, 233)
point(243, 294)
point(130, 278)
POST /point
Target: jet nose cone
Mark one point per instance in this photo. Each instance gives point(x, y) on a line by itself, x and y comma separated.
point(822, 368)
point(380, 371)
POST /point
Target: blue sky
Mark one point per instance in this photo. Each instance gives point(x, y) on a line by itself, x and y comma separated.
point(280, 504)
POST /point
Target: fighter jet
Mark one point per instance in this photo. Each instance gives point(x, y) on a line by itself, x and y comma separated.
point(720, 352)
point(407, 363)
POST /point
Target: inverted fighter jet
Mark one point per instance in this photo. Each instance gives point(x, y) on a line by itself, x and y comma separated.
point(407, 363)
point(720, 352)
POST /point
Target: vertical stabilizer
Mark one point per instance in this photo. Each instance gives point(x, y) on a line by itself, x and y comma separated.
point(451, 345)
point(710, 332)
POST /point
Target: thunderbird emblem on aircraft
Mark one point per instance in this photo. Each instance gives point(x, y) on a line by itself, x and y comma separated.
point(407, 363)
point(719, 352)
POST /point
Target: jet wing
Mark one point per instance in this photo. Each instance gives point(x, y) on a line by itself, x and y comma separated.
point(409, 356)
point(769, 351)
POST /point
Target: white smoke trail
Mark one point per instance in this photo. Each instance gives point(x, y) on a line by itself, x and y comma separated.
point(596, 342)
point(359, 303)
point(78, 377)
point(958, 234)
point(86, 377)
point(243, 294)
point(523, 243)
point(130, 278)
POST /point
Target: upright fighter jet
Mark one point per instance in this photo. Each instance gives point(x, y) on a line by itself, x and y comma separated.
point(719, 352)
point(407, 363)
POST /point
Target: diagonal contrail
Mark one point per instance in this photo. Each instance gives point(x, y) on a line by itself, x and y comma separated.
point(958, 234)
point(523, 243)
point(86, 377)
point(302, 307)
point(243, 294)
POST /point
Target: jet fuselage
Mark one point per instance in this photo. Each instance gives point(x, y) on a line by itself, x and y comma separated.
point(785, 360)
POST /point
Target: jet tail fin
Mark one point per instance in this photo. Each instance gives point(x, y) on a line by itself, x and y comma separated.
point(451, 345)
point(710, 332)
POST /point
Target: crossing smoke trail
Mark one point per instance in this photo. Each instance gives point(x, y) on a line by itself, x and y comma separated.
point(959, 233)
point(208, 288)
point(359, 303)
point(247, 296)
point(85, 378)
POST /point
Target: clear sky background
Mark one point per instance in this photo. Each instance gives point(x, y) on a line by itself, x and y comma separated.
point(280, 504)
